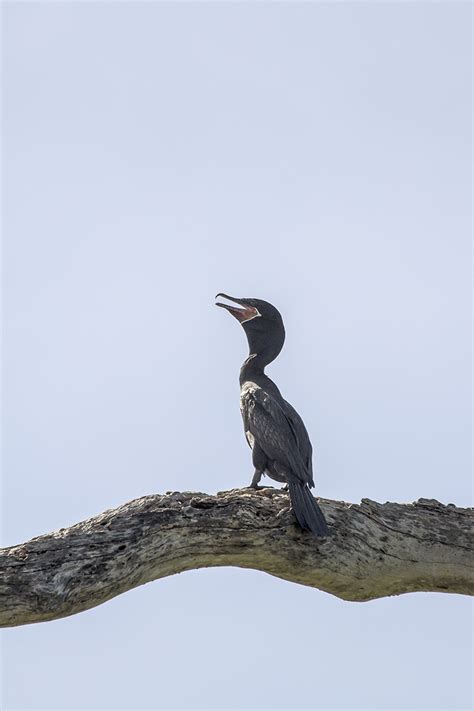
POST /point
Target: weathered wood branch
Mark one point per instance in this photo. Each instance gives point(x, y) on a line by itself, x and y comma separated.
point(374, 550)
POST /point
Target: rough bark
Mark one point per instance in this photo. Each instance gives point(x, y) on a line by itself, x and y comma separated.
point(374, 550)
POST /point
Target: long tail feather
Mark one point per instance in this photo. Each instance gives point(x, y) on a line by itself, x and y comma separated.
point(307, 512)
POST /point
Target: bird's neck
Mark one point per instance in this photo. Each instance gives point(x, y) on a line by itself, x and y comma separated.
point(253, 370)
point(251, 367)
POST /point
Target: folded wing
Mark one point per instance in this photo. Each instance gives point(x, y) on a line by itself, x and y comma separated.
point(279, 431)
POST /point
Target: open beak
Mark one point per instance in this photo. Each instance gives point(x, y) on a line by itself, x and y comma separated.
point(245, 313)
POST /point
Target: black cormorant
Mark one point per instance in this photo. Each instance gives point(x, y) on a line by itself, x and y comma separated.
point(275, 432)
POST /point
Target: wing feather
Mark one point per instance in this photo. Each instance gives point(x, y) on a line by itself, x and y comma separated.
point(301, 434)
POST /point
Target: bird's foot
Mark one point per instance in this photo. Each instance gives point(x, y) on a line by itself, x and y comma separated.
point(257, 487)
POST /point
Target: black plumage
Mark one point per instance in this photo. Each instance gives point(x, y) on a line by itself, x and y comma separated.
point(280, 444)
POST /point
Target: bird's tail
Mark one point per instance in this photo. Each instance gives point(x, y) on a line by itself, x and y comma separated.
point(307, 512)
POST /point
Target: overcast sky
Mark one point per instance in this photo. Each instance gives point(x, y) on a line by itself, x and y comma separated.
point(315, 155)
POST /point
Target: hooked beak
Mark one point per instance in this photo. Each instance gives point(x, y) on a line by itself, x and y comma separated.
point(246, 313)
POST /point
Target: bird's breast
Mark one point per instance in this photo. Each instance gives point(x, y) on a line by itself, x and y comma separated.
point(246, 402)
point(247, 391)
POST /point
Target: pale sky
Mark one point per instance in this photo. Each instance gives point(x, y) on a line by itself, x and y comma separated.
point(316, 155)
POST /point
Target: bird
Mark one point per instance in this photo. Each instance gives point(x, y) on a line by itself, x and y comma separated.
point(280, 444)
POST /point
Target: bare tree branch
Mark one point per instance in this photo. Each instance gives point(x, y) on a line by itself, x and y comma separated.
point(374, 550)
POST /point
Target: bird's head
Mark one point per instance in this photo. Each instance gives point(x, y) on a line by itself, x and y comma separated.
point(262, 323)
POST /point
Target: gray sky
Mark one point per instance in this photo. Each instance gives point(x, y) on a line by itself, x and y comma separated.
point(315, 155)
